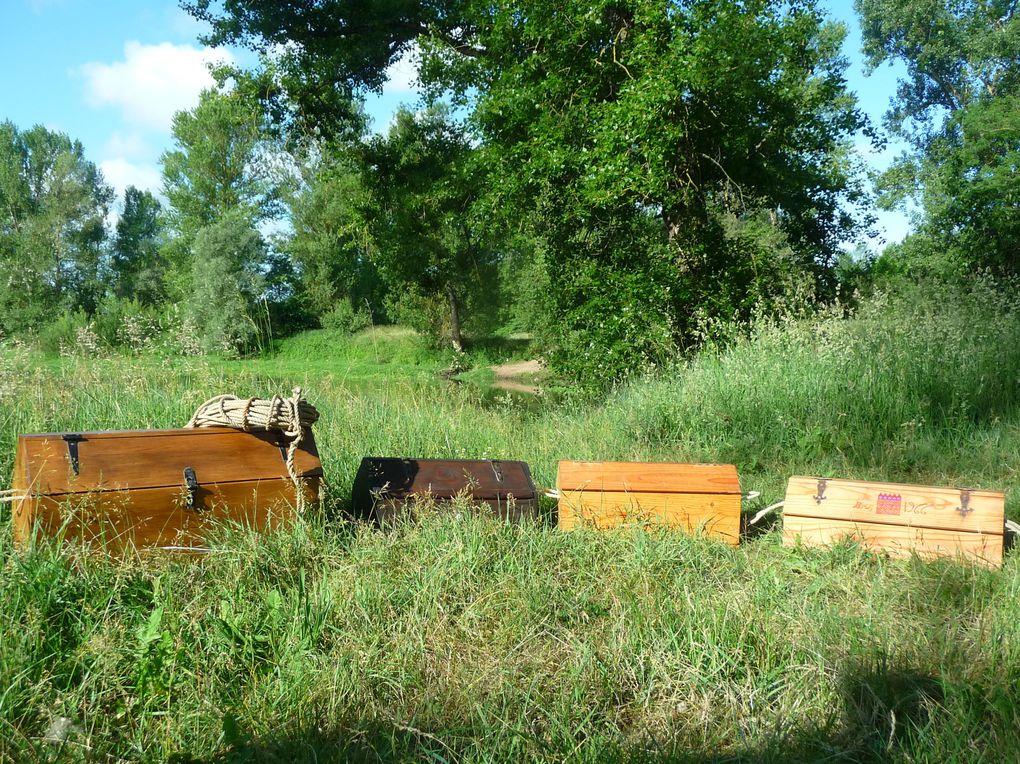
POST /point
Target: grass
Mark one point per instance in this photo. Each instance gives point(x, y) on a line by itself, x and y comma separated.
point(460, 639)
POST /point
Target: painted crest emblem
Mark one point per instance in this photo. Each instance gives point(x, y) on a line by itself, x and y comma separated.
point(889, 504)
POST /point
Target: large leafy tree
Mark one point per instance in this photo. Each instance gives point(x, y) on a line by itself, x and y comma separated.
point(627, 131)
point(422, 190)
point(223, 161)
point(224, 179)
point(136, 260)
point(640, 128)
point(958, 107)
point(53, 205)
point(331, 243)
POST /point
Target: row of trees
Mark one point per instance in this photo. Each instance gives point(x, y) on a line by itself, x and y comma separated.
point(607, 176)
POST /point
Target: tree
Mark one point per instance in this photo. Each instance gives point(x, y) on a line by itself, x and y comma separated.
point(226, 283)
point(423, 188)
point(53, 205)
point(224, 162)
point(136, 260)
point(958, 110)
point(640, 128)
point(628, 132)
point(331, 242)
point(226, 177)
point(335, 45)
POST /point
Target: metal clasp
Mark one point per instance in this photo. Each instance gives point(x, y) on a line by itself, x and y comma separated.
point(819, 497)
point(72, 439)
point(965, 508)
point(191, 484)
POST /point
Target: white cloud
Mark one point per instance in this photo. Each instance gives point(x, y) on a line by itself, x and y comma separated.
point(121, 173)
point(152, 82)
point(402, 74)
point(130, 144)
point(183, 24)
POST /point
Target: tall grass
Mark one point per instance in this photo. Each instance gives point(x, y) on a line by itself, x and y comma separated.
point(461, 639)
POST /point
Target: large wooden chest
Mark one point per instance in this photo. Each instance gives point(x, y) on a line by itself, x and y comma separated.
point(156, 488)
point(691, 497)
point(897, 518)
point(386, 488)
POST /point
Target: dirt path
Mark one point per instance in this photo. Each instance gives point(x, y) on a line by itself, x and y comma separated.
point(517, 369)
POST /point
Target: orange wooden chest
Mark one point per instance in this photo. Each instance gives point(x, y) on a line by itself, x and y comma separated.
point(897, 518)
point(692, 497)
point(156, 488)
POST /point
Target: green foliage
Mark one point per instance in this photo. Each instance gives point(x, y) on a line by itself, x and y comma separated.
point(345, 318)
point(53, 203)
point(65, 334)
point(429, 249)
point(957, 108)
point(135, 258)
point(640, 129)
point(617, 140)
point(332, 245)
point(226, 284)
point(331, 49)
point(429, 315)
point(220, 163)
point(226, 167)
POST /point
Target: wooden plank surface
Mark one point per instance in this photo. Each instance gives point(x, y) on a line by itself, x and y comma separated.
point(648, 477)
point(896, 504)
point(157, 517)
point(152, 458)
point(898, 540)
point(716, 515)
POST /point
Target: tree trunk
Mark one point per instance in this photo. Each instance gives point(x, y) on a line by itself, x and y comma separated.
point(455, 335)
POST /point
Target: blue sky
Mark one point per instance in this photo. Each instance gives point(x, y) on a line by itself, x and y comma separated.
point(111, 73)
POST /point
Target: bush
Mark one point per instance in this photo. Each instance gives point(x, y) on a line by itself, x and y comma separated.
point(345, 318)
point(70, 333)
point(429, 315)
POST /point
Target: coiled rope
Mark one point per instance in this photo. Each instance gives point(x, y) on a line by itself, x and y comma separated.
point(291, 416)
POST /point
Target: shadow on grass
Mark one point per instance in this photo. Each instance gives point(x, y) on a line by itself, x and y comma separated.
point(882, 715)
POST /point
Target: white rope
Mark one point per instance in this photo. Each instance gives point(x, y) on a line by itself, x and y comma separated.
point(291, 416)
point(1013, 527)
point(764, 513)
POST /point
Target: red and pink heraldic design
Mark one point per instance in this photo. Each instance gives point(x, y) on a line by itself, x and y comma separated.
point(889, 504)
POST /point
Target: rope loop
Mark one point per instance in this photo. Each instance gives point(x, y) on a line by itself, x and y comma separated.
point(291, 416)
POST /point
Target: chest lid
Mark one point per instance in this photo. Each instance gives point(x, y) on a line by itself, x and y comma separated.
point(648, 477)
point(444, 478)
point(68, 463)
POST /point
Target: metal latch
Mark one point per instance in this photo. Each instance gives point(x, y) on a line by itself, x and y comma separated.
point(819, 496)
point(497, 471)
point(191, 484)
point(72, 439)
point(965, 508)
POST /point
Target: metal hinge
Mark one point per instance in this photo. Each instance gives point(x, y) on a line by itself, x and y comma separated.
point(72, 439)
point(819, 496)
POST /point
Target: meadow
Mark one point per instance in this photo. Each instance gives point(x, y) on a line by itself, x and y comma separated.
point(458, 638)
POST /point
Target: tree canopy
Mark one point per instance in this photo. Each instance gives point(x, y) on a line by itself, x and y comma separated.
point(633, 141)
point(958, 109)
point(53, 204)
